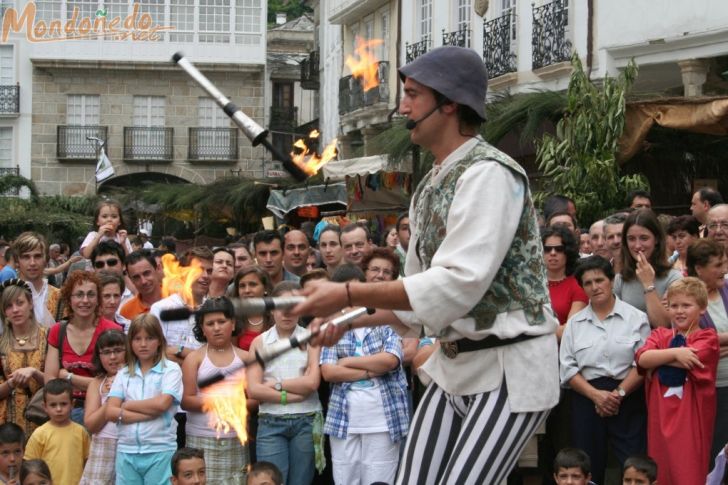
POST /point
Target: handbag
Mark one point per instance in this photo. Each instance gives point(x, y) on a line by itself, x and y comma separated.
point(35, 409)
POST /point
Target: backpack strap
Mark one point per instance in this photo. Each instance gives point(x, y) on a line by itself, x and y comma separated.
point(61, 338)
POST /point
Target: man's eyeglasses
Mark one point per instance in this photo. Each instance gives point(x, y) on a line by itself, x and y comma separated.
point(715, 225)
point(558, 248)
point(109, 262)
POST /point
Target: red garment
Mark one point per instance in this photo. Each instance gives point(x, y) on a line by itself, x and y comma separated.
point(563, 294)
point(80, 365)
point(246, 338)
point(680, 431)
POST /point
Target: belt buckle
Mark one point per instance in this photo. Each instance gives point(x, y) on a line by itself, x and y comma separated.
point(450, 349)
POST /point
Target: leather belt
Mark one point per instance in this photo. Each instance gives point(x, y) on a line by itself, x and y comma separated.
point(452, 349)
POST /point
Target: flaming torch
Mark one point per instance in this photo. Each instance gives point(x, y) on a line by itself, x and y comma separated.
point(179, 279)
point(225, 404)
point(365, 66)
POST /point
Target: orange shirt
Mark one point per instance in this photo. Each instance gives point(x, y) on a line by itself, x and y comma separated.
point(133, 308)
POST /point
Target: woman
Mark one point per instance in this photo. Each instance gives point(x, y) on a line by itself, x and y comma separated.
point(215, 326)
point(706, 260)
point(561, 253)
point(607, 401)
point(330, 247)
point(71, 342)
point(390, 239)
point(223, 267)
point(112, 287)
point(290, 422)
point(683, 230)
point(252, 282)
point(645, 273)
point(22, 353)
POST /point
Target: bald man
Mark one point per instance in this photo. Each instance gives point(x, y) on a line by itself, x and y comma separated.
point(296, 249)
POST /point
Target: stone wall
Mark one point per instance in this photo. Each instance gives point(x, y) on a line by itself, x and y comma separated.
point(116, 88)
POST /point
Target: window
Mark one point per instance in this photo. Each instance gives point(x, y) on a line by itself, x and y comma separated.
point(213, 139)
point(116, 8)
point(6, 147)
point(148, 139)
point(48, 10)
point(182, 18)
point(4, 5)
point(82, 110)
point(82, 120)
point(86, 8)
point(210, 115)
point(247, 21)
point(424, 16)
point(155, 9)
point(384, 25)
point(7, 66)
point(463, 14)
point(214, 20)
point(149, 110)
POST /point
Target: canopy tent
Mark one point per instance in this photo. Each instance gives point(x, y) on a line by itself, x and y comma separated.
point(281, 202)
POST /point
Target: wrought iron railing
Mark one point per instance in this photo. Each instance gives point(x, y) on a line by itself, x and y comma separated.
point(73, 143)
point(10, 171)
point(213, 144)
point(310, 71)
point(548, 40)
point(458, 38)
point(352, 96)
point(148, 143)
point(283, 118)
point(415, 50)
point(498, 54)
point(9, 99)
point(306, 128)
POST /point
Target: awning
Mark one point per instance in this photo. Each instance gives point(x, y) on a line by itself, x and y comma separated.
point(339, 169)
point(698, 115)
point(282, 202)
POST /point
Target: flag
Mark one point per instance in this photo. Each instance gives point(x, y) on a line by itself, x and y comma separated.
point(104, 169)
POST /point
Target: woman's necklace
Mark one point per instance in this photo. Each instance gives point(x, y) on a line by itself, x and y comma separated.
point(218, 350)
point(256, 324)
point(23, 340)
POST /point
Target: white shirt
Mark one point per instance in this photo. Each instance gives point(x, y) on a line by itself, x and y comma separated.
point(481, 223)
point(176, 332)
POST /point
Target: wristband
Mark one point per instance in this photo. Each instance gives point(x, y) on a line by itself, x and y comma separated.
point(69, 376)
point(348, 294)
point(284, 397)
point(121, 416)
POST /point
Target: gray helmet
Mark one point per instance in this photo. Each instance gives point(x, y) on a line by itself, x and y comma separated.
point(455, 72)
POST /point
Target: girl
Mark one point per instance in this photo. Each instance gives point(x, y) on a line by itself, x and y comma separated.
point(290, 422)
point(35, 472)
point(108, 358)
point(109, 225)
point(225, 457)
point(143, 401)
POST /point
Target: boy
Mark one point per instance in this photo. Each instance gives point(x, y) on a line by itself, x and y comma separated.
point(264, 473)
point(639, 470)
point(681, 364)
point(188, 467)
point(12, 440)
point(61, 443)
point(572, 466)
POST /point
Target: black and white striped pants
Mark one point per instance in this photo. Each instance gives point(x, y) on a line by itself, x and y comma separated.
point(473, 439)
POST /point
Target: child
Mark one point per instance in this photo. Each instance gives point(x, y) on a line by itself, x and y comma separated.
point(35, 472)
point(264, 473)
point(188, 467)
point(639, 470)
point(12, 440)
point(681, 364)
point(108, 358)
point(573, 467)
point(61, 443)
point(109, 225)
point(143, 400)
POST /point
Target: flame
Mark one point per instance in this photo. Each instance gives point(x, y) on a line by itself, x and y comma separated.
point(225, 404)
point(179, 279)
point(366, 68)
point(308, 159)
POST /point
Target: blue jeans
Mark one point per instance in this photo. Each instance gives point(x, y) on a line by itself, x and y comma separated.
point(287, 442)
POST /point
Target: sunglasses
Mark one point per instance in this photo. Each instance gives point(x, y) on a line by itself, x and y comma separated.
point(559, 248)
point(109, 262)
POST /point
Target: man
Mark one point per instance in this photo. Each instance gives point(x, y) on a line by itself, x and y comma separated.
point(356, 242)
point(403, 236)
point(717, 225)
point(268, 247)
point(8, 271)
point(31, 250)
point(613, 239)
point(491, 390)
point(639, 199)
point(558, 203)
point(143, 236)
point(141, 266)
point(295, 252)
point(597, 242)
point(563, 219)
point(243, 259)
point(701, 203)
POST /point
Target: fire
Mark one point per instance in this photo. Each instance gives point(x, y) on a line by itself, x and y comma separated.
point(308, 159)
point(366, 67)
point(179, 279)
point(225, 403)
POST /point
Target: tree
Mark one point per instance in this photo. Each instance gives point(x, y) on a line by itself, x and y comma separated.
point(292, 8)
point(580, 160)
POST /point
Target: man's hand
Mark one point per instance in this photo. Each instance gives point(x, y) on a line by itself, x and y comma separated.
point(330, 336)
point(323, 298)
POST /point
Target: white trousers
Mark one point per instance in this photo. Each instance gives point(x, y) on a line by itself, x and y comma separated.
point(362, 459)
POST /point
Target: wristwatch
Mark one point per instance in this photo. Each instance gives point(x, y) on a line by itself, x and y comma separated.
point(621, 391)
point(178, 354)
point(278, 386)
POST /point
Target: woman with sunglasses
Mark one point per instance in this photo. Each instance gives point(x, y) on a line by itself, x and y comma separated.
point(561, 253)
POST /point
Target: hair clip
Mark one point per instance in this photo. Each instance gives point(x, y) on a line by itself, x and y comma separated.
point(15, 282)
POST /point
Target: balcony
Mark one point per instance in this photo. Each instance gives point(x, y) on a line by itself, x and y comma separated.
point(310, 71)
point(208, 144)
point(352, 97)
point(499, 37)
point(549, 43)
point(73, 143)
point(9, 101)
point(413, 51)
point(148, 144)
point(458, 38)
point(283, 118)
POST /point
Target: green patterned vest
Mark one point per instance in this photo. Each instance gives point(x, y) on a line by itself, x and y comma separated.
point(520, 283)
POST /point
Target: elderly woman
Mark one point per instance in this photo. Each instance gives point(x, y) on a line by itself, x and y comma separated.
point(706, 260)
point(22, 353)
point(71, 342)
point(597, 364)
point(645, 273)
